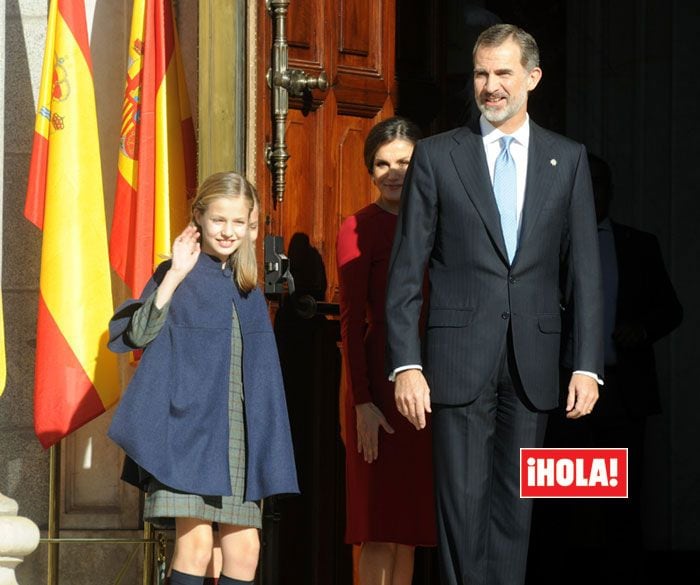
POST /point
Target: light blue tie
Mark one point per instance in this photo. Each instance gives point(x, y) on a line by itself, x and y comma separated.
point(504, 187)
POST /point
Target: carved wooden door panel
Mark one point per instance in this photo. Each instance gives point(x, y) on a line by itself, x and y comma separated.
point(353, 42)
point(326, 180)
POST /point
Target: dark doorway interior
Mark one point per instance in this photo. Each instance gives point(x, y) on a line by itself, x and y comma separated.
point(434, 42)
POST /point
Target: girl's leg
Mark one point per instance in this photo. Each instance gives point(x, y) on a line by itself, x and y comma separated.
point(193, 544)
point(240, 549)
point(403, 565)
point(377, 563)
point(214, 568)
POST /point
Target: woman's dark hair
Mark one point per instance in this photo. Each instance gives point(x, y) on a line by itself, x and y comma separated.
point(386, 131)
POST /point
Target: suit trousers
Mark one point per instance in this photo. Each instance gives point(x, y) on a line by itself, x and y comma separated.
point(483, 524)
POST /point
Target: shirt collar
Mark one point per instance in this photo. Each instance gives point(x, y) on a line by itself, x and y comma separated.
point(492, 134)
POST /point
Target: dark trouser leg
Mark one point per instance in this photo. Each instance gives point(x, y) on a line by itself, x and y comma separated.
point(462, 458)
point(518, 425)
point(483, 525)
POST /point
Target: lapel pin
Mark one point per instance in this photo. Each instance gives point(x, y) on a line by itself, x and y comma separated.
point(553, 162)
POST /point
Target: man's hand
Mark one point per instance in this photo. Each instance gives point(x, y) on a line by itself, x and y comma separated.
point(412, 396)
point(369, 419)
point(583, 394)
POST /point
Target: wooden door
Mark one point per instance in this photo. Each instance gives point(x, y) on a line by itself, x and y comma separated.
point(353, 42)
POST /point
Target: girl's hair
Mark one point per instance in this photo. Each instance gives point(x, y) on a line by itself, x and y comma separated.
point(256, 198)
point(231, 185)
point(396, 128)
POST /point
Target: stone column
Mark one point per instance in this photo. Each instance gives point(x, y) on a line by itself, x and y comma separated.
point(18, 538)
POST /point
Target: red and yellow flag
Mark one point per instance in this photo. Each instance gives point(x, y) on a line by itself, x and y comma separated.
point(76, 377)
point(157, 148)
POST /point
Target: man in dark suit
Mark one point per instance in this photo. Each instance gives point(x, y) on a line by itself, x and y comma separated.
point(641, 307)
point(493, 212)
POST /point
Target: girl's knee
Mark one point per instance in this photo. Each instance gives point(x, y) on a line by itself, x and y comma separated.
point(191, 560)
point(249, 547)
point(193, 550)
point(241, 551)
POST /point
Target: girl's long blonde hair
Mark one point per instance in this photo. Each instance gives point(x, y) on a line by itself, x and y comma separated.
point(231, 185)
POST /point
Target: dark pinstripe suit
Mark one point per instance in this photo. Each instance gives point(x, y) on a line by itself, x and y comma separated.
point(491, 349)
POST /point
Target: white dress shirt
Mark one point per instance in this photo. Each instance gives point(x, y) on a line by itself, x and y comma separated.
point(518, 151)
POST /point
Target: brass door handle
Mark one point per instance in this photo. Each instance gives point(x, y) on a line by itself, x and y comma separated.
point(284, 82)
point(296, 81)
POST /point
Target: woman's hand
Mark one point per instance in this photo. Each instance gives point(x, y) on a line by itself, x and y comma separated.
point(369, 419)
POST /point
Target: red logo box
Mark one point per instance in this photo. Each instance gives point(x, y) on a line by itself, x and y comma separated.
point(573, 473)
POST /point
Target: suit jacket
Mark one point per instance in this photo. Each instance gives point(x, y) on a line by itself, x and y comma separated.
point(449, 220)
point(645, 296)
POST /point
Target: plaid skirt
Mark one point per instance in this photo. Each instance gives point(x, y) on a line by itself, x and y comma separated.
point(163, 504)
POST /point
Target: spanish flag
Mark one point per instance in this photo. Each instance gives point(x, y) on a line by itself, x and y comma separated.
point(157, 171)
point(76, 376)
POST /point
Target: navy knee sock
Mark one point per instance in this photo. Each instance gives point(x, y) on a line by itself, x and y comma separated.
point(224, 580)
point(177, 578)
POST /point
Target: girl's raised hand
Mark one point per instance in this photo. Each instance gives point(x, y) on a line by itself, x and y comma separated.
point(184, 256)
point(185, 251)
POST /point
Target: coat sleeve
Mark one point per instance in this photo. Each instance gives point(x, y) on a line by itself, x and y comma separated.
point(412, 246)
point(354, 262)
point(586, 275)
point(119, 341)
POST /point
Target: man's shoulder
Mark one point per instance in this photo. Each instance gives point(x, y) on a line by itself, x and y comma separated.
point(563, 142)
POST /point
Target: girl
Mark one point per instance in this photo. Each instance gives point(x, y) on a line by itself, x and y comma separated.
point(214, 567)
point(208, 447)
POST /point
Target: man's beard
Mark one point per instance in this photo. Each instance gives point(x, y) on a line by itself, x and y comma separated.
point(513, 104)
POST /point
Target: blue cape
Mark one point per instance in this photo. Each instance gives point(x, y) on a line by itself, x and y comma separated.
point(173, 417)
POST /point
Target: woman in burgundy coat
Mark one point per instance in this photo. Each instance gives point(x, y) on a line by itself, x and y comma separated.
point(389, 485)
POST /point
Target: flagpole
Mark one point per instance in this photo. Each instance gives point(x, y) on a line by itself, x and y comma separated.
point(148, 555)
point(54, 512)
